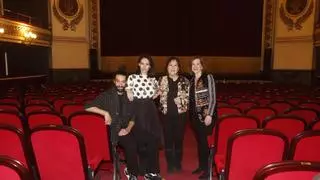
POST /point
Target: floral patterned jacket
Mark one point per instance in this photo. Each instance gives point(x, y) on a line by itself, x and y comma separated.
point(183, 94)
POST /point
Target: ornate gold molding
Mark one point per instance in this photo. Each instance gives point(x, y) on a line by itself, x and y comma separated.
point(94, 28)
point(68, 12)
point(294, 39)
point(269, 24)
point(69, 39)
point(294, 13)
point(16, 32)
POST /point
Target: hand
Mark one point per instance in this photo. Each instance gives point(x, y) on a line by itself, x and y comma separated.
point(107, 119)
point(123, 132)
point(177, 100)
point(130, 95)
point(208, 120)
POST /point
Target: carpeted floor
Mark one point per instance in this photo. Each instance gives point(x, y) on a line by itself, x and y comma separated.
point(189, 162)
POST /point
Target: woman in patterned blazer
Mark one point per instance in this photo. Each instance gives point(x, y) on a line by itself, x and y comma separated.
point(174, 99)
point(202, 109)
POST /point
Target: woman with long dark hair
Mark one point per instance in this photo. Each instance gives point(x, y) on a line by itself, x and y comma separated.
point(141, 89)
point(202, 111)
point(174, 98)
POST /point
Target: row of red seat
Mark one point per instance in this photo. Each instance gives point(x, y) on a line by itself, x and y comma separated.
point(51, 150)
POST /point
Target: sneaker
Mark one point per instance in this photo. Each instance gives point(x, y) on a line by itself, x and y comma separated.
point(133, 177)
point(126, 173)
point(152, 176)
point(129, 176)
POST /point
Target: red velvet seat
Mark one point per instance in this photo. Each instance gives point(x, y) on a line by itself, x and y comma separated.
point(249, 150)
point(36, 119)
point(226, 126)
point(11, 118)
point(228, 110)
point(261, 112)
point(287, 124)
point(280, 105)
point(36, 108)
point(95, 134)
point(59, 152)
point(70, 108)
point(289, 170)
point(11, 169)
point(308, 114)
point(13, 144)
point(305, 146)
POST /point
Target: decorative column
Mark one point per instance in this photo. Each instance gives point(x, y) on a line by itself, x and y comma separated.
point(70, 44)
point(317, 43)
point(293, 56)
point(268, 35)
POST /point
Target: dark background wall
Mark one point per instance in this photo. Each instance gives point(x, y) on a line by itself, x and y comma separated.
point(181, 27)
point(38, 9)
point(24, 60)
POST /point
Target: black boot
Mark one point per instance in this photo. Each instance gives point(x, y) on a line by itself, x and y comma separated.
point(169, 157)
point(177, 160)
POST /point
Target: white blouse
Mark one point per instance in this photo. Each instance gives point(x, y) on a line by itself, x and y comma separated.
point(142, 86)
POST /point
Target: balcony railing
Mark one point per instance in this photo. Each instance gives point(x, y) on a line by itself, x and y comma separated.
point(8, 14)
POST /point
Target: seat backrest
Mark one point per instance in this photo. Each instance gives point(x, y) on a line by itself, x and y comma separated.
point(312, 105)
point(315, 125)
point(249, 150)
point(261, 112)
point(44, 118)
point(308, 114)
point(11, 169)
point(9, 106)
point(69, 108)
point(95, 134)
point(59, 152)
point(228, 125)
point(228, 110)
point(11, 118)
point(289, 170)
point(287, 124)
point(12, 144)
point(59, 102)
point(280, 105)
point(36, 108)
point(10, 100)
point(38, 100)
point(305, 146)
point(246, 104)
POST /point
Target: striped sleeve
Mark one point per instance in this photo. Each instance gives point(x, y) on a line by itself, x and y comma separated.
point(212, 95)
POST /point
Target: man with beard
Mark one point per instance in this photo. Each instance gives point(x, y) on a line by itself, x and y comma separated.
point(114, 105)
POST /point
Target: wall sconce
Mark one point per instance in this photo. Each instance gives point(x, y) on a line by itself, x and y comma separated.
point(1, 30)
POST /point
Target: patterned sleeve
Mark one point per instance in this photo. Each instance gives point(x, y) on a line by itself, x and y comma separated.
point(186, 87)
point(212, 95)
point(155, 84)
point(130, 82)
point(188, 90)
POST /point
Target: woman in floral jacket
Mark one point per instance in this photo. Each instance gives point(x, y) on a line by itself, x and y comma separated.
point(174, 99)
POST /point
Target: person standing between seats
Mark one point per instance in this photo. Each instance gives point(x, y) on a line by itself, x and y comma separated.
point(202, 109)
point(142, 89)
point(174, 99)
point(114, 105)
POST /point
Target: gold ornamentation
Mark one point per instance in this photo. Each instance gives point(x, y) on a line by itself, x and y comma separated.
point(15, 32)
point(295, 12)
point(94, 36)
point(269, 22)
point(68, 15)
